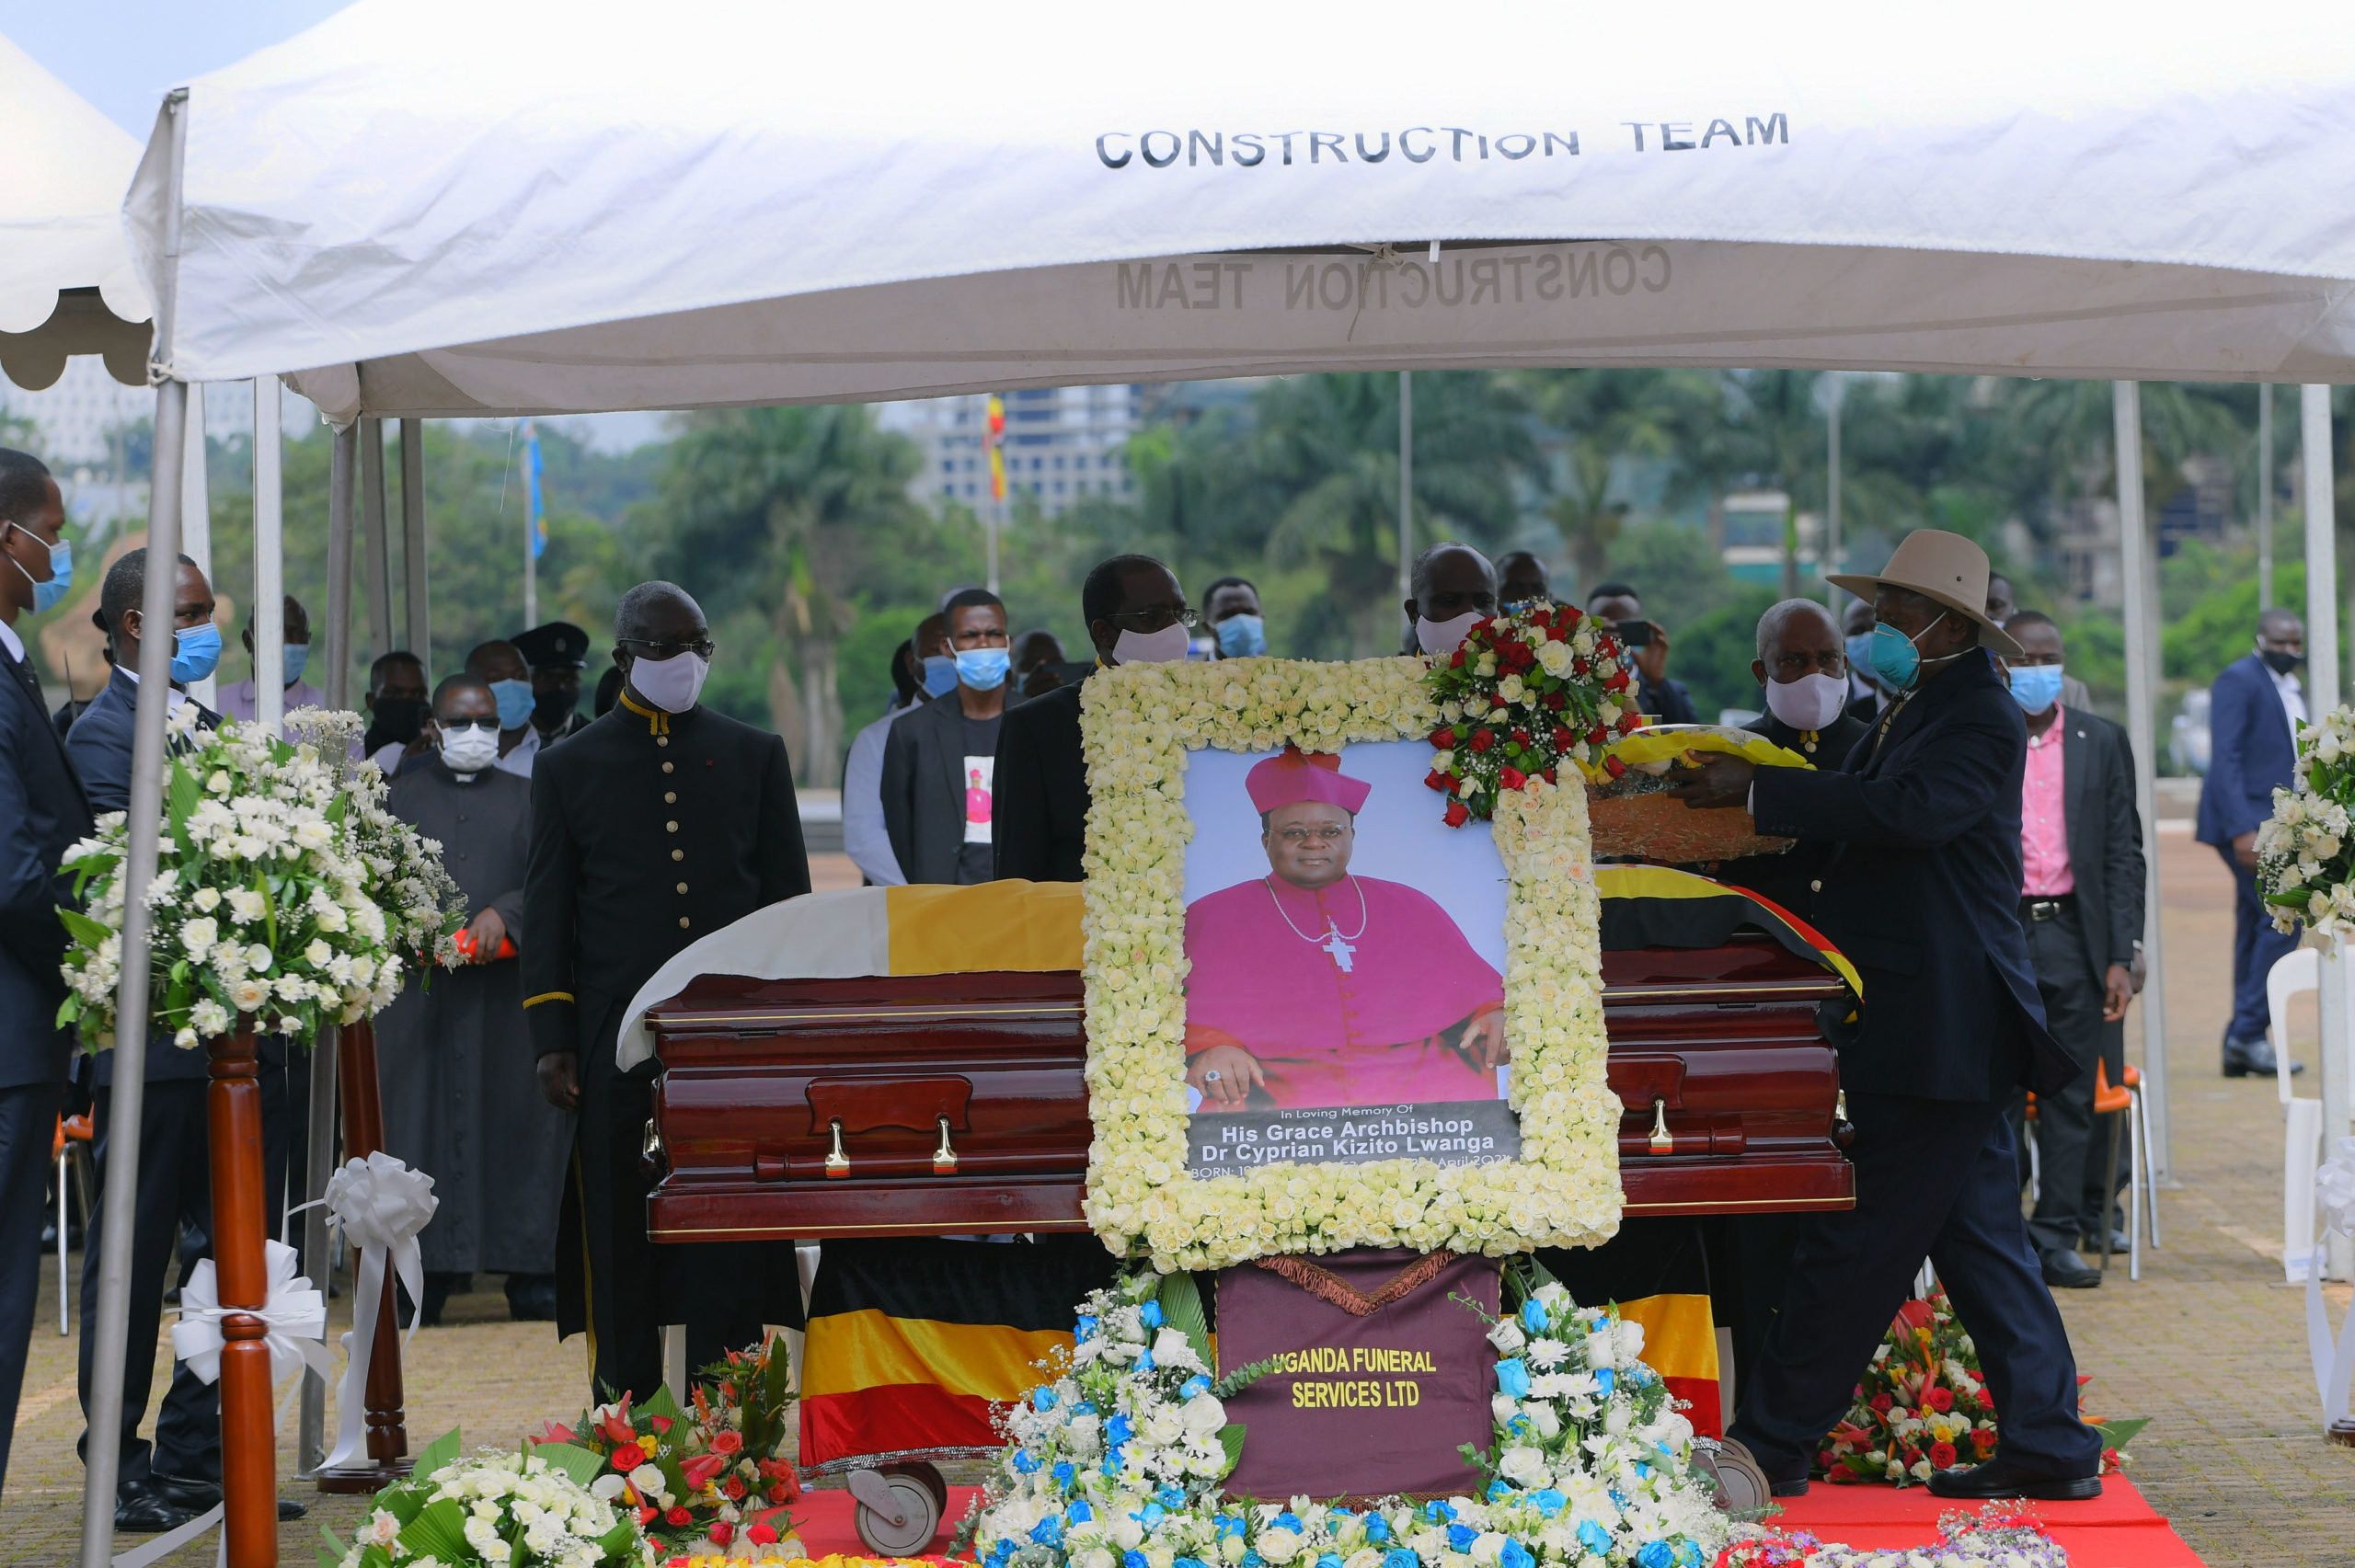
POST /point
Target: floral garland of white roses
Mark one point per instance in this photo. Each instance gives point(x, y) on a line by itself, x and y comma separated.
point(1137, 723)
point(2305, 858)
point(284, 890)
point(1117, 1462)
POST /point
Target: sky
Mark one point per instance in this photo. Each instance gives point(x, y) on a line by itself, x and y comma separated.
point(123, 55)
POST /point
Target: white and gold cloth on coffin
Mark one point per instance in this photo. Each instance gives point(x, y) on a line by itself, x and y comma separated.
point(1025, 926)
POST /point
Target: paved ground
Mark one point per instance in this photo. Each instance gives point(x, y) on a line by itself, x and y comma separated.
point(2210, 1345)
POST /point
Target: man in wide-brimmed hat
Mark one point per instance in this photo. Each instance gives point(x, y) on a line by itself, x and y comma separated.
point(1920, 887)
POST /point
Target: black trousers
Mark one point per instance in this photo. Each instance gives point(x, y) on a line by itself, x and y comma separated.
point(1936, 1178)
point(175, 1189)
point(28, 1130)
point(2072, 1149)
point(723, 1291)
point(2255, 947)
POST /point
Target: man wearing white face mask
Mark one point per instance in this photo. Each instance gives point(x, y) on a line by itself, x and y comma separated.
point(661, 821)
point(1136, 613)
point(1452, 587)
point(940, 761)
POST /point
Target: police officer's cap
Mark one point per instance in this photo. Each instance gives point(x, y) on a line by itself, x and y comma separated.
point(557, 645)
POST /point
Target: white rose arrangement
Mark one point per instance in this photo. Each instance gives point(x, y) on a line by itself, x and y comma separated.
point(527, 1509)
point(2305, 862)
point(1137, 723)
point(1117, 1460)
point(284, 890)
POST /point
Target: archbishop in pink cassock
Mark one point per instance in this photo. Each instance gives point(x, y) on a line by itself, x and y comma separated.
point(1349, 991)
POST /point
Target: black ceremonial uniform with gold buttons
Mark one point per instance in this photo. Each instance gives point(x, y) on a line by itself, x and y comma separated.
point(649, 830)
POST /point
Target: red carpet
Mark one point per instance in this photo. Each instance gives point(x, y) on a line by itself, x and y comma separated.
point(2118, 1530)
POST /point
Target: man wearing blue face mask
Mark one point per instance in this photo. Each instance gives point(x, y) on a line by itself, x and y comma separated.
point(2081, 904)
point(867, 839)
point(940, 761)
point(1920, 886)
point(502, 667)
point(1232, 607)
point(243, 699)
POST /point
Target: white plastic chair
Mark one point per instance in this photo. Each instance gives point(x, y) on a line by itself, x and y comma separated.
point(2300, 969)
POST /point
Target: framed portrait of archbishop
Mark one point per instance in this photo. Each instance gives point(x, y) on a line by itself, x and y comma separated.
point(1319, 1016)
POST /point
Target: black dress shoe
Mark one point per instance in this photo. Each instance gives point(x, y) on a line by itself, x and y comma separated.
point(530, 1297)
point(2117, 1242)
point(148, 1511)
point(2244, 1058)
point(2000, 1478)
point(2066, 1270)
point(288, 1508)
point(192, 1492)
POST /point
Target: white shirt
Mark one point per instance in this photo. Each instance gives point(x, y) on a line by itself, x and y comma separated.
point(242, 701)
point(13, 643)
point(865, 839)
point(178, 696)
point(2293, 698)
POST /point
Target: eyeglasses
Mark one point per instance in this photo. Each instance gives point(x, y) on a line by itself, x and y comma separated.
point(1325, 834)
point(460, 725)
point(1155, 619)
point(655, 653)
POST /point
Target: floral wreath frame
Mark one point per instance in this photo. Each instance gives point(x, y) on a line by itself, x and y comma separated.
point(1138, 722)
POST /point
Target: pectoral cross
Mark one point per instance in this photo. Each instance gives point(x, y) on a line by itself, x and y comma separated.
point(1339, 946)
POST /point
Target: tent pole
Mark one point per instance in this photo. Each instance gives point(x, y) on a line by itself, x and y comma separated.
point(1831, 551)
point(413, 576)
point(342, 504)
point(2322, 696)
point(103, 1449)
point(375, 541)
point(1406, 489)
point(2142, 622)
point(196, 521)
point(2264, 495)
point(270, 558)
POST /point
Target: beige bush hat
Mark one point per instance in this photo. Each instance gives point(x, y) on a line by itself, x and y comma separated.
point(1940, 565)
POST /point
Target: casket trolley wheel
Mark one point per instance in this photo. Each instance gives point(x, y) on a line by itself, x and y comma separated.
point(898, 1508)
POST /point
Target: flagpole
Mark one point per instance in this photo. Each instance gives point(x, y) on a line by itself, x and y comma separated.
point(530, 526)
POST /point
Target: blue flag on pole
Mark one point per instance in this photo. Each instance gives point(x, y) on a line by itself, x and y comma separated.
point(537, 513)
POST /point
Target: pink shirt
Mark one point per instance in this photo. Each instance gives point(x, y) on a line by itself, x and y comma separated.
point(2044, 817)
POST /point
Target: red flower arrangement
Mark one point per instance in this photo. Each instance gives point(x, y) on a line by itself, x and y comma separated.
point(1523, 693)
point(697, 1475)
point(1924, 1406)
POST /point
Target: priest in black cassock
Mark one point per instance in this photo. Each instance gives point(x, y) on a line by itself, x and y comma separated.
point(660, 822)
point(461, 1100)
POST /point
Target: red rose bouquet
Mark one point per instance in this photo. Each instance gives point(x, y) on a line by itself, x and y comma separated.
point(1523, 693)
point(1924, 1406)
point(699, 1477)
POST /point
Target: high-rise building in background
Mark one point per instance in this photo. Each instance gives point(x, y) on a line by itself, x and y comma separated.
point(79, 416)
point(1061, 443)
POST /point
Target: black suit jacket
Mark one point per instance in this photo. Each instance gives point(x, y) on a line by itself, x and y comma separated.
point(1787, 878)
point(1921, 892)
point(1039, 817)
point(43, 813)
point(100, 743)
point(647, 832)
point(2105, 835)
point(924, 789)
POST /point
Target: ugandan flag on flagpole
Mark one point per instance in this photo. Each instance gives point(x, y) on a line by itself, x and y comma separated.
point(911, 1342)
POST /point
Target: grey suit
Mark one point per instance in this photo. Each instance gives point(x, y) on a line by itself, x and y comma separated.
point(923, 793)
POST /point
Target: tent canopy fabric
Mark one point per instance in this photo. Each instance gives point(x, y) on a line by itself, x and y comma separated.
point(724, 201)
point(67, 285)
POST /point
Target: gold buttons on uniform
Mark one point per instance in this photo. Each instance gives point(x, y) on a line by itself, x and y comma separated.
point(1816, 885)
point(682, 887)
point(666, 767)
point(683, 923)
point(670, 827)
point(661, 741)
point(670, 797)
point(678, 854)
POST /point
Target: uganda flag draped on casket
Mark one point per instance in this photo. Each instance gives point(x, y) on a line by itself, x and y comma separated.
point(911, 1342)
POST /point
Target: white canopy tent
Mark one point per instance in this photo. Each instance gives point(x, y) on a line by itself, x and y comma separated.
point(595, 207)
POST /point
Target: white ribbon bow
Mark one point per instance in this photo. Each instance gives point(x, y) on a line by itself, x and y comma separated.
point(297, 1316)
point(2334, 1363)
point(381, 1204)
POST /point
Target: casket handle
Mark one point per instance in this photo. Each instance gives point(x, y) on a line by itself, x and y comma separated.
point(1664, 1142)
point(837, 1162)
point(944, 1159)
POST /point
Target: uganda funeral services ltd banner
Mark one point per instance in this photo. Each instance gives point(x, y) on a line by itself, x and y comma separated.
point(1319, 1016)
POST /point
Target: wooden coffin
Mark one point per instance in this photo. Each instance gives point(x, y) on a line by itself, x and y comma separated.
point(956, 1103)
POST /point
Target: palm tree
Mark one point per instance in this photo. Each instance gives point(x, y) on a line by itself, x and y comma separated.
point(1604, 415)
point(1324, 461)
point(781, 508)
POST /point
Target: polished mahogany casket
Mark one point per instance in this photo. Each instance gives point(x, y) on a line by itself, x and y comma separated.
point(956, 1103)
